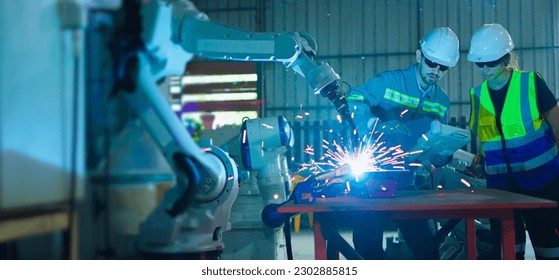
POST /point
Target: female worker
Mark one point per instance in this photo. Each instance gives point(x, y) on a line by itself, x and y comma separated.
point(516, 118)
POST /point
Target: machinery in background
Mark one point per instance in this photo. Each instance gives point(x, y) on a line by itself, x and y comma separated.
point(263, 144)
point(259, 144)
point(156, 40)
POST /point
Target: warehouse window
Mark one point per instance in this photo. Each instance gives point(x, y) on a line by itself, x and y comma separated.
point(220, 93)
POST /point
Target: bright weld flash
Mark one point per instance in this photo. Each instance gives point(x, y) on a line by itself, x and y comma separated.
point(358, 166)
point(465, 182)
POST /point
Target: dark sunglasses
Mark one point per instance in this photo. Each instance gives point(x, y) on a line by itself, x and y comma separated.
point(489, 64)
point(434, 64)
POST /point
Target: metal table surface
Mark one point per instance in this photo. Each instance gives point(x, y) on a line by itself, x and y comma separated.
point(465, 204)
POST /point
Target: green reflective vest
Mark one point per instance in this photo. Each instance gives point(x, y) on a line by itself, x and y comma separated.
point(526, 148)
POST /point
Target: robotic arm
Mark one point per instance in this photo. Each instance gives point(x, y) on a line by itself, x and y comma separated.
point(195, 212)
point(263, 144)
point(209, 39)
point(296, 50)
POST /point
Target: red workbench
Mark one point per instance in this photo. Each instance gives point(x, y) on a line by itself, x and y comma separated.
point(465, 204)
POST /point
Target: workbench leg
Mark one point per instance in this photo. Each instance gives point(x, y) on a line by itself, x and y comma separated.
point(319, 242)
point(507, 236)
point(471, 238)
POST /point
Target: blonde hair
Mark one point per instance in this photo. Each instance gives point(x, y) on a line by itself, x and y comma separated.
point(512, 62)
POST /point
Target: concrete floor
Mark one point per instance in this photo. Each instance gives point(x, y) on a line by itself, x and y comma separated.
point(302, 242)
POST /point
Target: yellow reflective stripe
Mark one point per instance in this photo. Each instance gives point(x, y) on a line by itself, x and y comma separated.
point(434, 108)
point(413, 102)
point(355, 97)
point(474, 110)
point(401, 98)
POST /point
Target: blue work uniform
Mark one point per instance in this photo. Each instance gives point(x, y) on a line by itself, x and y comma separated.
point(396, 95)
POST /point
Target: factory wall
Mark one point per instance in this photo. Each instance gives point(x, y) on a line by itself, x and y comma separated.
point(360, 38)
point(41, 109)
point(42, 143)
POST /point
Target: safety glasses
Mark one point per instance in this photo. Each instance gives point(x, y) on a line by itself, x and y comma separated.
point(432, 64)
point(489, 64)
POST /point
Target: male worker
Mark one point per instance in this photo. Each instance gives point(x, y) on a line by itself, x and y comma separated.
point(406, 102)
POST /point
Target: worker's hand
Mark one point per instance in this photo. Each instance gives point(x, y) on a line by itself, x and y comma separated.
point(334, 176)
point(392, 127)
point(439, 159)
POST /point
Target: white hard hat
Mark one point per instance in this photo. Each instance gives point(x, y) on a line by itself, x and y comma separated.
point(489, 43)
point(441, 46)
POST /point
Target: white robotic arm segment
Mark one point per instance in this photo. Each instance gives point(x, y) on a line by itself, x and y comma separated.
point(163, 124)
point(263, 143)
point(296, 50)
point(192, 214)
point(261, 139)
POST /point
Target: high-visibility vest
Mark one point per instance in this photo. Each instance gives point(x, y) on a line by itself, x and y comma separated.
point(525, 151)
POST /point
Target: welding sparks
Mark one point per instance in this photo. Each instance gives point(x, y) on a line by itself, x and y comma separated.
point(368, 156)
point(403, 113)
point(465, 182)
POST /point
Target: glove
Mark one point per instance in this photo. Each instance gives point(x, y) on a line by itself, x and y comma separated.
point(392, 127)
point(440, 159)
